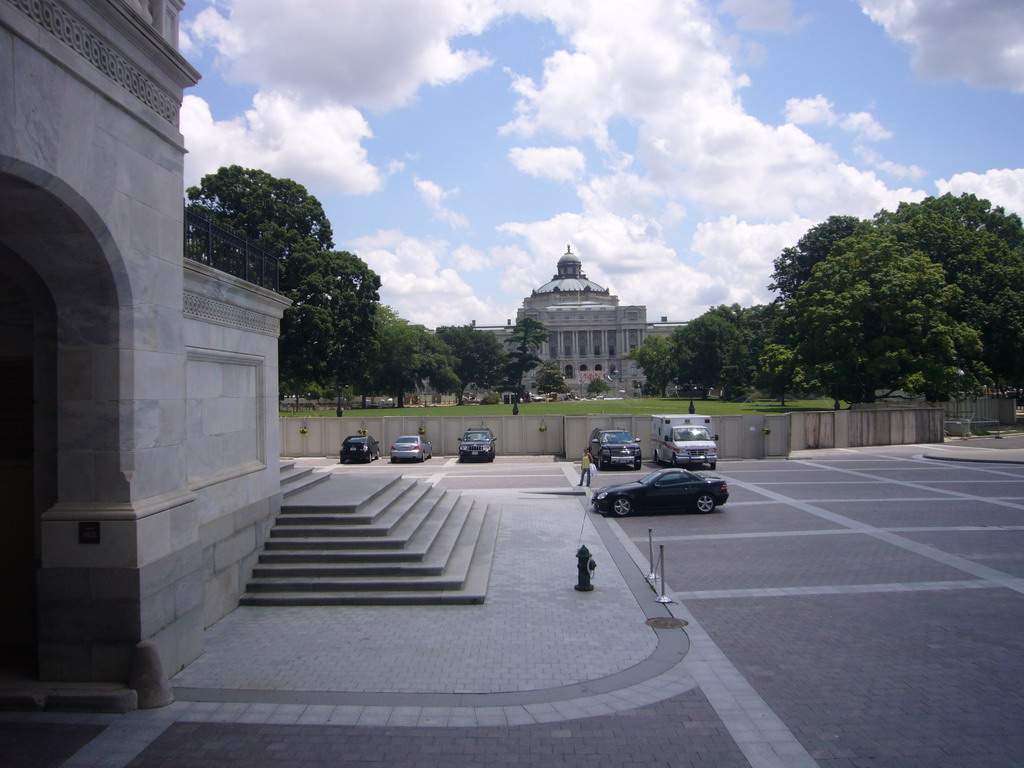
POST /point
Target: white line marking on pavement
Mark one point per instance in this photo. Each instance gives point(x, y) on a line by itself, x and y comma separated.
point(760, 734)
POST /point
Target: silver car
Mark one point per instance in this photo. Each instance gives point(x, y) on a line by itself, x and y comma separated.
point(413, 447)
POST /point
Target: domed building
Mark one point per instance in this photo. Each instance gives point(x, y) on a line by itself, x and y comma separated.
point(590, 331)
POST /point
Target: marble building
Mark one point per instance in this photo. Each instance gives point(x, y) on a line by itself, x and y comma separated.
point(590, 331)
point(138, 442)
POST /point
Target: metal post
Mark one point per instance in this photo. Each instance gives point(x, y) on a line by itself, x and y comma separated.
point(651, 574)
point(663, 598)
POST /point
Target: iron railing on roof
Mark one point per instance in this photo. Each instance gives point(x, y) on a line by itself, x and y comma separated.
point(209, 244)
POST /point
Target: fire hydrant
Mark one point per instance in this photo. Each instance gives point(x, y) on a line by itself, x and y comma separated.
point(585, 566)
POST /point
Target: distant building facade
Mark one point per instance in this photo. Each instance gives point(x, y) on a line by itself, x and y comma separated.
point(590, 331)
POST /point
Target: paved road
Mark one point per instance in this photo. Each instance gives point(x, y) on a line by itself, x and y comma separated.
point(845, 609)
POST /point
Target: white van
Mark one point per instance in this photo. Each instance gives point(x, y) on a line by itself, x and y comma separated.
point(683, 440)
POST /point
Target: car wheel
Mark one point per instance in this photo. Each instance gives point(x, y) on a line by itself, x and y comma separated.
point(705, 503)
point(393, 459)
point(638, 463)
point(713, 464)
point(622, 506)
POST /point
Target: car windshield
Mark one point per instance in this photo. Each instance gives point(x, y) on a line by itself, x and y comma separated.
point(668, 475)
point(616, 437)
point(407, 440)
point(690, 433)
point(475, 436)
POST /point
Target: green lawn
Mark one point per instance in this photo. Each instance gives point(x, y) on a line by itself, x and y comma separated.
point(585, 407)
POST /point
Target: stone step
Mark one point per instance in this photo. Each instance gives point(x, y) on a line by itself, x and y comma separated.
point(395, 496)
point(295, 479)
point(467, 587)
point(429, 557)
point(348, 493)
point(408, 540)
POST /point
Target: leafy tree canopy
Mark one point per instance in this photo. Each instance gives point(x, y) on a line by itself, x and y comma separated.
point(328, 333)
point(708, 352)
point(525, 340)
point(794, 266)
point(550, 379)
point(873, 317)
point(407, 356)
point(655, 357)
point(279, 213)
point(479, 356)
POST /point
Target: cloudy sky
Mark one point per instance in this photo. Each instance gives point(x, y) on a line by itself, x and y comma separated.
point(458, 146)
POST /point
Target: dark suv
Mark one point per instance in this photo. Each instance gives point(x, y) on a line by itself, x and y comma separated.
point(477, 444)
point(611, 447)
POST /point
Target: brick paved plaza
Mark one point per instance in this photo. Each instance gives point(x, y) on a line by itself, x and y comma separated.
point(846, 609)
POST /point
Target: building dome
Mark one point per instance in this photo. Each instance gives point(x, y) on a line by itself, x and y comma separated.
point(570, 277)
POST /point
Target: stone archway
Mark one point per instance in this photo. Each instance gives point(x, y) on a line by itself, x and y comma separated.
point(58, 405)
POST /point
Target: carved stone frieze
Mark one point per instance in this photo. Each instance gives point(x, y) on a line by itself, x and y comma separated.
point(211, 310)
point(67, 27)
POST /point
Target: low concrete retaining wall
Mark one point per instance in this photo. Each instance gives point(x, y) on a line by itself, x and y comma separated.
point(740, 437)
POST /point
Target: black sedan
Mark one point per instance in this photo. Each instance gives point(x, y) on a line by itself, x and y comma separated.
point(359, 448)
point(666, 490)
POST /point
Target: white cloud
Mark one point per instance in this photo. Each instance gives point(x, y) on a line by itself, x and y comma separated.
point(895, 170)
point(741, 254)
point(319, 146)
point(666, 73)
point(765, 15)
point(558, 163)
point(810, 111)
point(980, 43)
point(417, 283)
point(1003, 187)
point(821, 111)
point(376, 54)
point(469, 259)
point(433, 197)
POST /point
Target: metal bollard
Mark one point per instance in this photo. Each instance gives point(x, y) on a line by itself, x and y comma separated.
point(652, 573)
point(663, 598)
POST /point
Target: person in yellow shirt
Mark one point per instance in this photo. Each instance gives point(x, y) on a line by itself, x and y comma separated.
point(585, 467)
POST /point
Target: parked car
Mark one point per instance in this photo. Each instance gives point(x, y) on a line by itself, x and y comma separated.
point(665, 490)
point(412, 447)
point(614, 447)
point(477, 444)
point(359, 448)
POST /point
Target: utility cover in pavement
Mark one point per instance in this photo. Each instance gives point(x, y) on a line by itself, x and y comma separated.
point(666, 622)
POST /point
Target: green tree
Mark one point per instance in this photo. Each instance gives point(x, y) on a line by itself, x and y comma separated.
point(279, 213)
point(873, 320)
point(480, 359)
point(525, 340)
point(793, 267)
point(598, 387)
point(654, 356)
point(408, 355)
point(709, 353)
point(981, 250)
point(779, 370)
point(550, 379)
point(328, 333)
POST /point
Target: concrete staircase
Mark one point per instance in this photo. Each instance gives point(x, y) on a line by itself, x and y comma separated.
point(365, 540)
